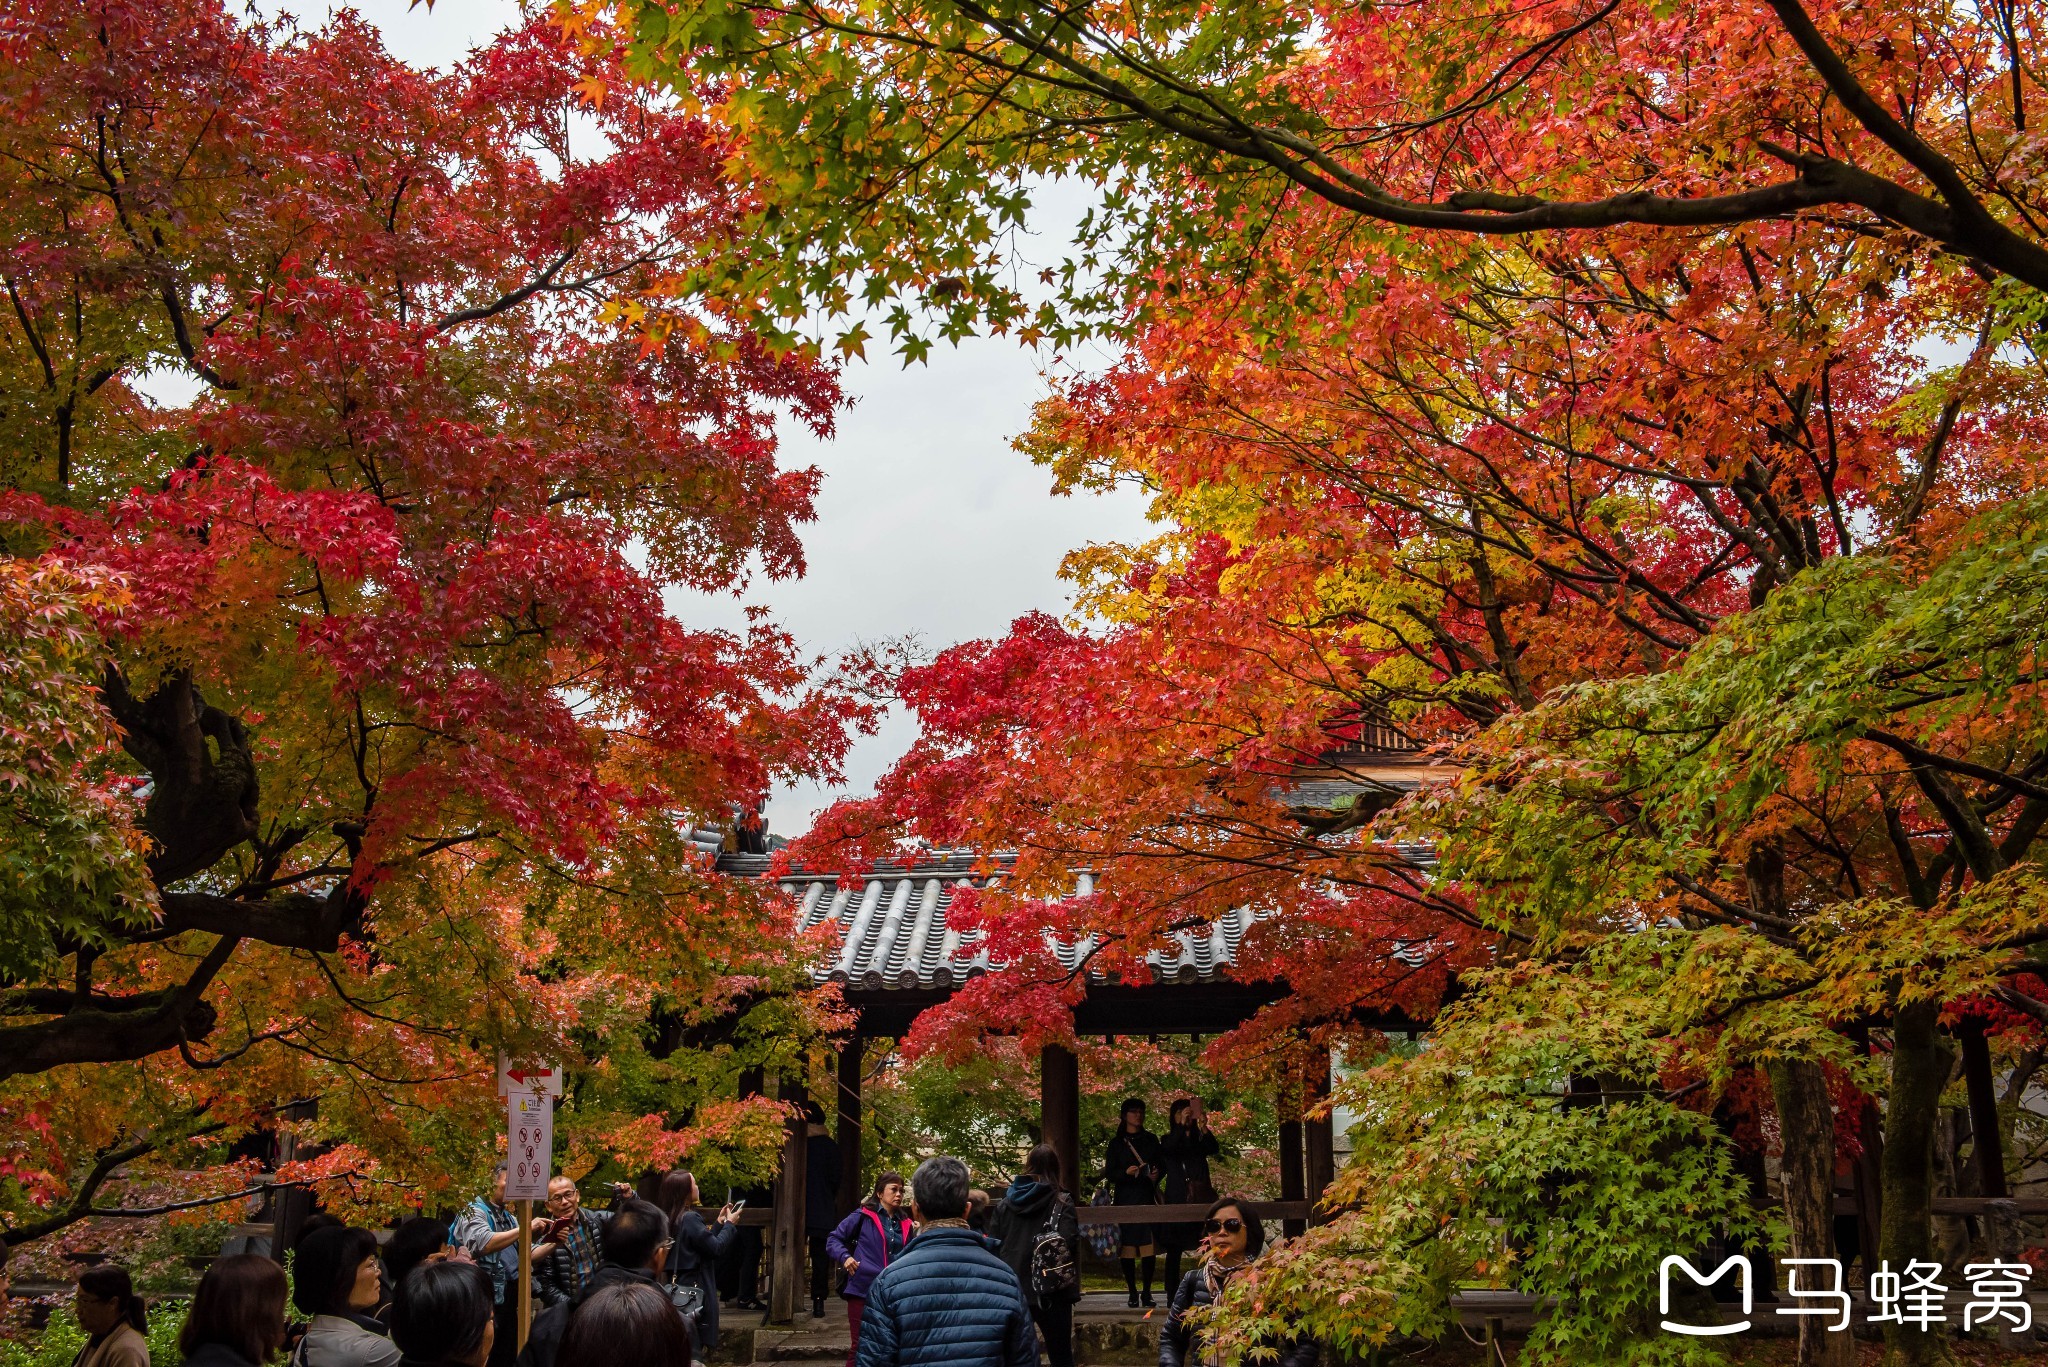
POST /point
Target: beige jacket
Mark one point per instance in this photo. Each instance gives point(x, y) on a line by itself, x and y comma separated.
point(122, 1348)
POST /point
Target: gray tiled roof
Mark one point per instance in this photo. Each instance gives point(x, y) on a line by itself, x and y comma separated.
point(894, 931)
point(1331, 793)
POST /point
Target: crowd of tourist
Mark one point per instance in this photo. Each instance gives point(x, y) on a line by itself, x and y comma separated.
point(934, 1271)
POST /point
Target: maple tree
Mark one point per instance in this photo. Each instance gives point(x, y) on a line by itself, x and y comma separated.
point(344, 734)
point(1644, 400)
point(932, 119)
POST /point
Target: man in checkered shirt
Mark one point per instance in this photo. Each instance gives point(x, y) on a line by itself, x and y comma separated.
point(564, 1272)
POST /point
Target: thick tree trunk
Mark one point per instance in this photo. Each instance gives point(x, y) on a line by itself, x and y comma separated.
point(1807, 1123)
point(1921, 1060)
point(202, 767)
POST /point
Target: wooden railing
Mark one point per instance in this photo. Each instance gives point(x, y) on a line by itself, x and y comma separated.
point(1966, 1205)
point(1269, 1211)
point(1376, 737)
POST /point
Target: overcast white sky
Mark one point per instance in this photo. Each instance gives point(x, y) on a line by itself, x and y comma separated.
point(928, 523)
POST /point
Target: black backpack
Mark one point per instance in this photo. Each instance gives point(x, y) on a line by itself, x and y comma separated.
point(1055, 1271)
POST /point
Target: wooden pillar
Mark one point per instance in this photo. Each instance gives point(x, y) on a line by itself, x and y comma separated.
point(289, 1208)
point(1319, 1136)
point(289, 1205)
point(1867, 1173)
point(1869, 1179)
point(786, 1251)
point(1986, 1141)
point(850, 1186)
point(1292, 1185)
point(1059, 1110)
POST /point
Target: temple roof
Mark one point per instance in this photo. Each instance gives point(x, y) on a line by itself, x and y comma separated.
point(895, 936)
point(1344, 777)
point(892, 921)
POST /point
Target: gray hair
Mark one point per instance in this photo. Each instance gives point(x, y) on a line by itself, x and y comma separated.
point(939, 1187)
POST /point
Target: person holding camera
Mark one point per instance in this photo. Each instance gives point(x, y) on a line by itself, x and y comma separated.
point(571, 1239)
point(1188, 1145)
point(635, 1244)
point(697, 1245)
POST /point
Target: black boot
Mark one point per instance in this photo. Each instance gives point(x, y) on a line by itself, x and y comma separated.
point(817, 1307)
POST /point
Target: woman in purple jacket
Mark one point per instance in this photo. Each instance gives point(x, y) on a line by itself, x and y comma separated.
point(866, 1242)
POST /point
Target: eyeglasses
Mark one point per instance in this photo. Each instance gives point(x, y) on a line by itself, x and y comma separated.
point(1230, 1224)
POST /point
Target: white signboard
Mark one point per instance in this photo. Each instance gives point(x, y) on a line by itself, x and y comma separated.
point(530, 1145)
point(541, 1078)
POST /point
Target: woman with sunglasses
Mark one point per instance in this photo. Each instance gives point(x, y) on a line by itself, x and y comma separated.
point(1232, 1239)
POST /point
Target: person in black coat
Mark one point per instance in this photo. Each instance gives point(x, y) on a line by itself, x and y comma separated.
point(821, 1201)
point(622, 1325)
point(1188, 1145)
point(1037, 1205)
point(1232, 1238)
point(695, 1246)
point(1133, 1165)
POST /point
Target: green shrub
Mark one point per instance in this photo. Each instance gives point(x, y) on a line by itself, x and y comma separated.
point(57, 1345)
point(166, 1318)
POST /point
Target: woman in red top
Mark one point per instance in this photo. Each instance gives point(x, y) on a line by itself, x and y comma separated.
point(868, 1241)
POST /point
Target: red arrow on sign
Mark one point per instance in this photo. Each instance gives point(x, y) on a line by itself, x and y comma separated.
point(515, 1076)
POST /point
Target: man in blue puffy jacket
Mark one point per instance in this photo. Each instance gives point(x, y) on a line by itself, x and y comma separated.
point(949, 1299)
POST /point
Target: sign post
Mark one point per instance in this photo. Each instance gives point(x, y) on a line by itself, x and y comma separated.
point(525, 1272)
point(529, 1154)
